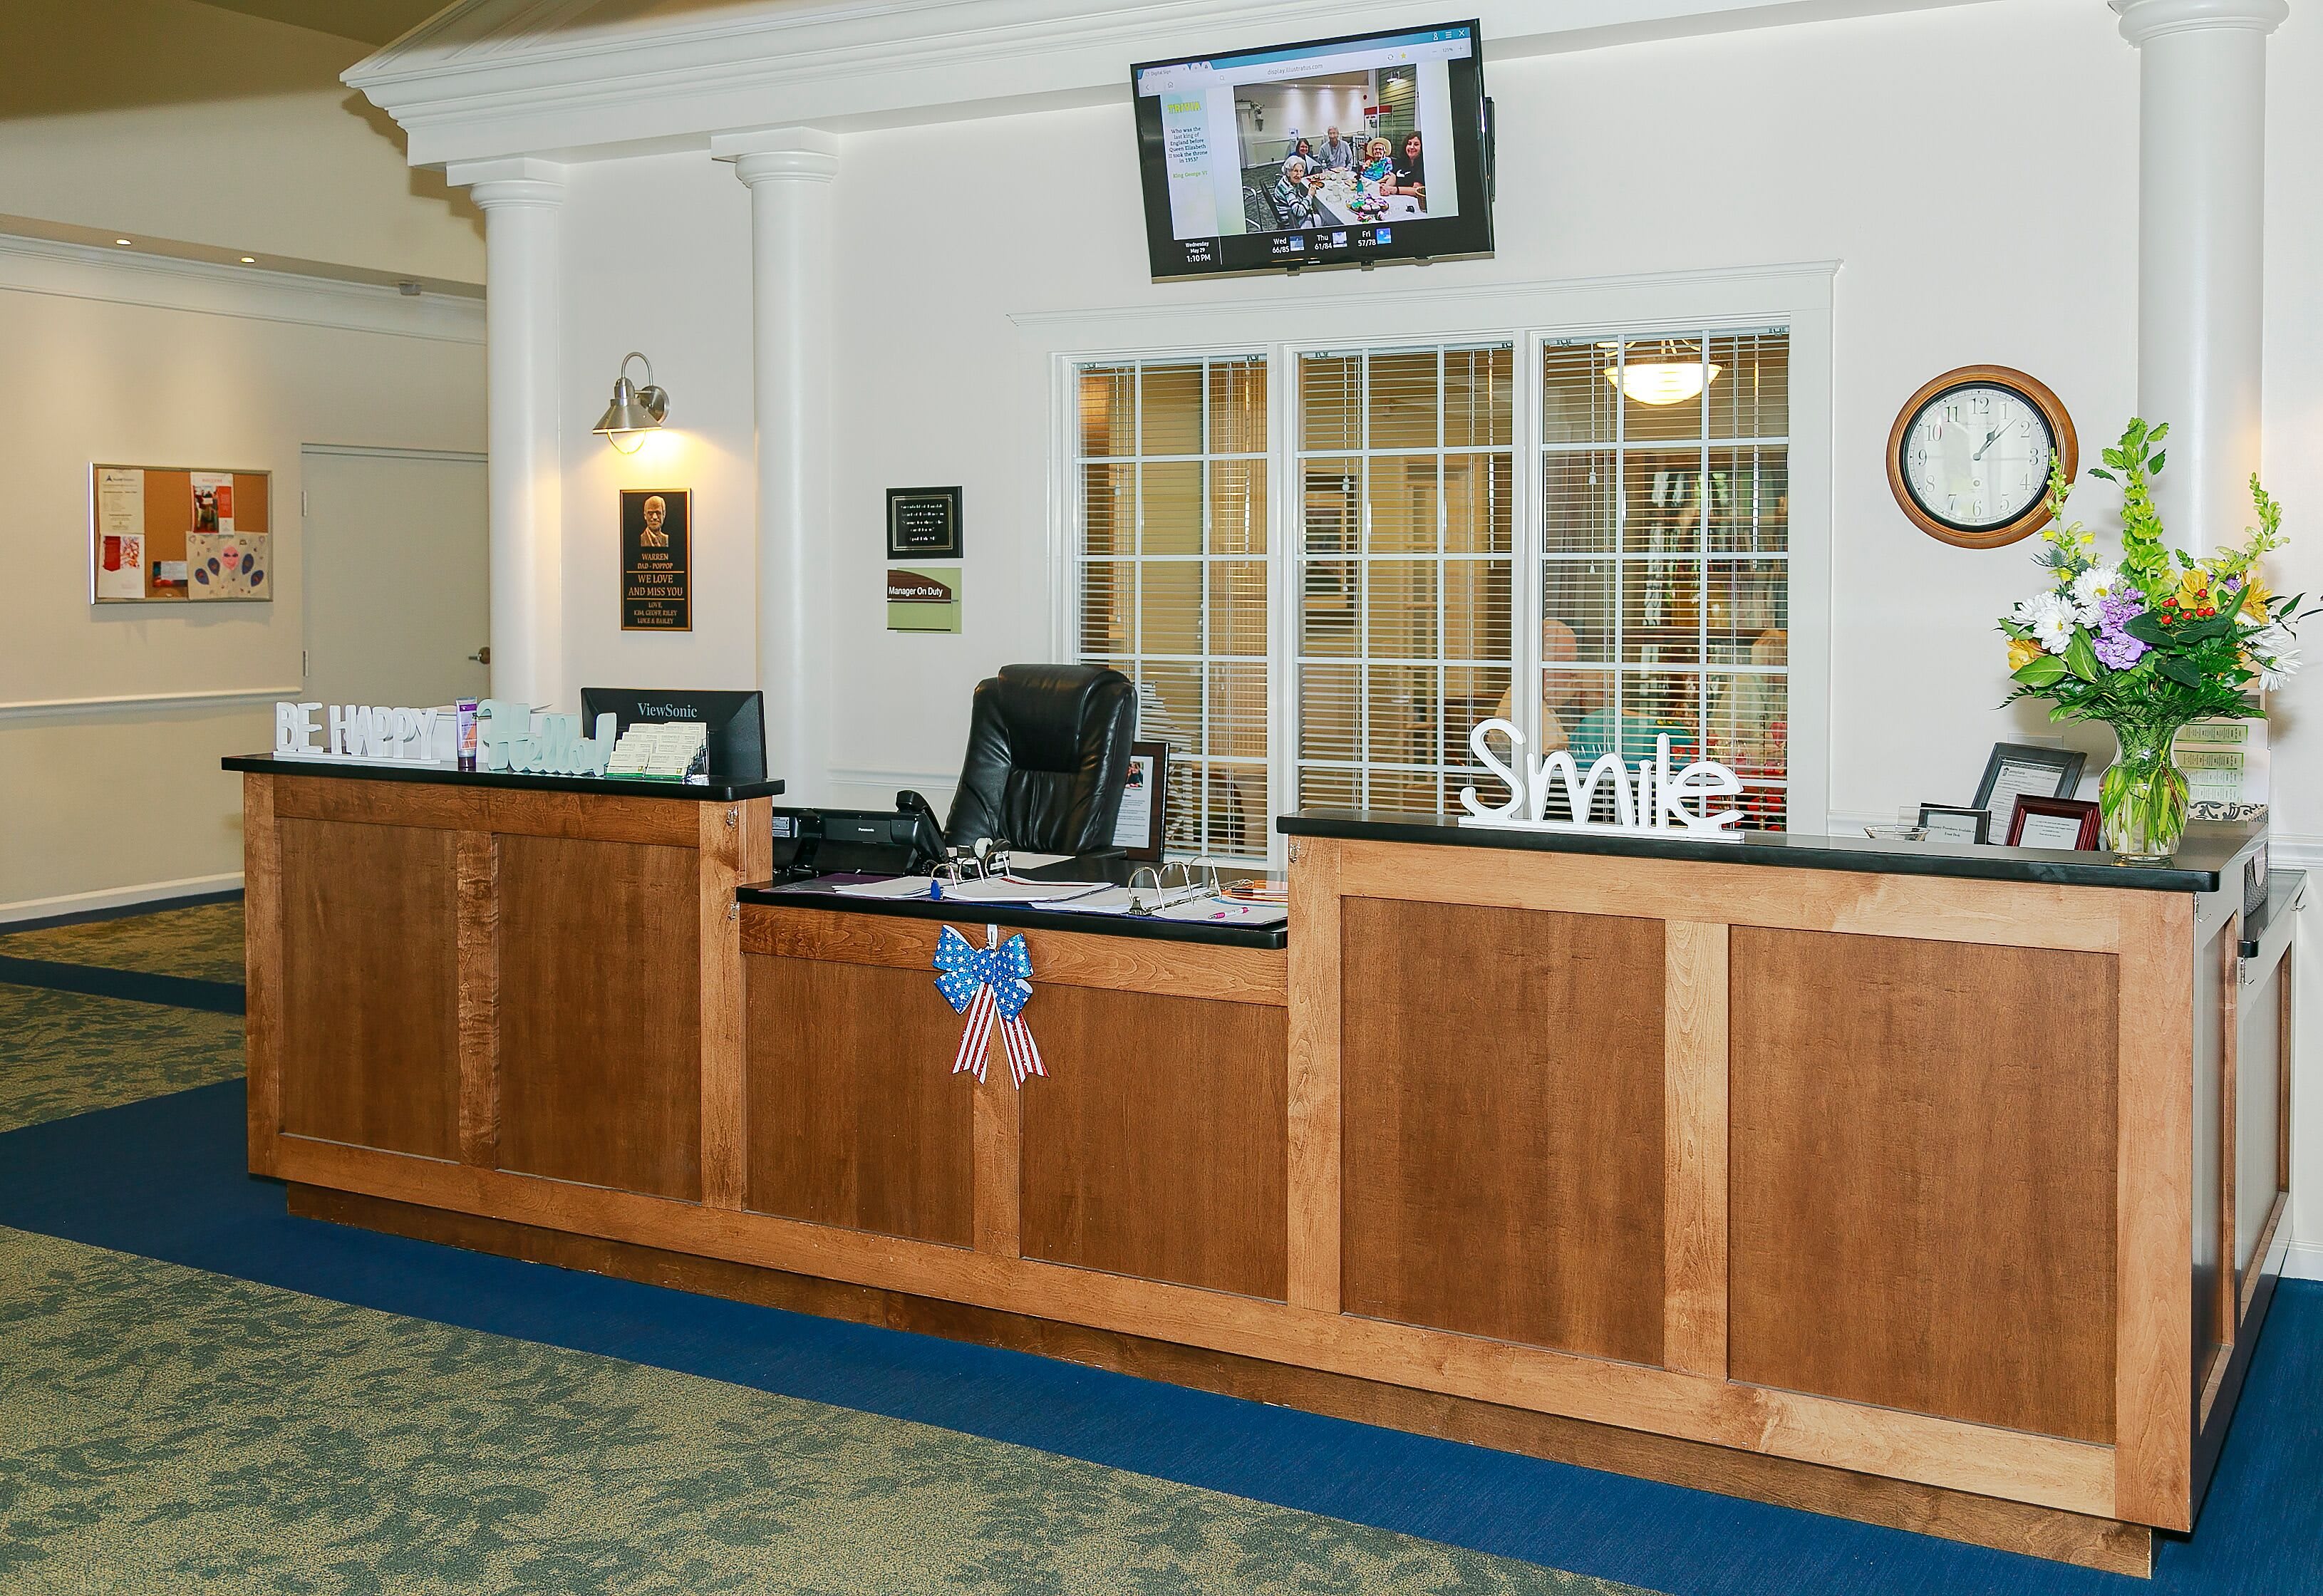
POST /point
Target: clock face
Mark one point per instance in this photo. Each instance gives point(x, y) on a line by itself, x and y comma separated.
point(1977, 456)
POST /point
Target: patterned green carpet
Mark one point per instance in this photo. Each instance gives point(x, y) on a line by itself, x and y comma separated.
point(202, 943)
point(63, 1053)
point(164, 1429)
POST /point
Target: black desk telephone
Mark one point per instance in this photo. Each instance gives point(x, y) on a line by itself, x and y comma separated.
point(907, 840)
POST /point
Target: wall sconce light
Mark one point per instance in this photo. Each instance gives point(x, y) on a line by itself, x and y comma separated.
point(634, 412)
point(1672, 379)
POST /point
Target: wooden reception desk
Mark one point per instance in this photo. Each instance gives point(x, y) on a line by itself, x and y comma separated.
point(1935, 1187)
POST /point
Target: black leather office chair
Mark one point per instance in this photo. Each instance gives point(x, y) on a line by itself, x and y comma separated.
point(1048, 753)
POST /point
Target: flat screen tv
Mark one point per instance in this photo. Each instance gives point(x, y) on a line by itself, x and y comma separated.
point(1242, 172)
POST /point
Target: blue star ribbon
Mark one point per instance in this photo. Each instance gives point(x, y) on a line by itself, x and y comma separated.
point(994, 982)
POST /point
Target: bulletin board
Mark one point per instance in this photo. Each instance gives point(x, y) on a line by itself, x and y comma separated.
point(176, 535)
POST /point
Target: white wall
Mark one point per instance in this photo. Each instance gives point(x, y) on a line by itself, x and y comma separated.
point(2293, 470)
point(173, 120)
point(156, 363)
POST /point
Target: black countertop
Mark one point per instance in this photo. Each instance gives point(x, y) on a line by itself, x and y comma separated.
point(2208, 854)
point(819, 894)
point(611, 787)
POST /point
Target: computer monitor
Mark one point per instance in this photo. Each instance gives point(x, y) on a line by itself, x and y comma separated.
point(736, 721)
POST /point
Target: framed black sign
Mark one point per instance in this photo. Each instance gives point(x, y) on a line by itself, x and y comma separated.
point(656, 560)
point(923, 523)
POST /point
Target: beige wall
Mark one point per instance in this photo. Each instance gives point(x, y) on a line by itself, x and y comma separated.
point(148, 363)
point(171, 120)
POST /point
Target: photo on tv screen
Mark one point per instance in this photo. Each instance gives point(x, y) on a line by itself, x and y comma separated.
point(1339, 152)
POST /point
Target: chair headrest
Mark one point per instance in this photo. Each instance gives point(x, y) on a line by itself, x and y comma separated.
point(1046, 707)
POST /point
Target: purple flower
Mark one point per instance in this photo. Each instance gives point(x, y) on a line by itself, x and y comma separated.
point(2116, 650)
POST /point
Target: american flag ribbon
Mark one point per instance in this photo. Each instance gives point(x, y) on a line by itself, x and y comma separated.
point(985, 983)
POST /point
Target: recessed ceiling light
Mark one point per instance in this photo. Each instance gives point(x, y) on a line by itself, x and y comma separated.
point(120, 240)
point(250, 260)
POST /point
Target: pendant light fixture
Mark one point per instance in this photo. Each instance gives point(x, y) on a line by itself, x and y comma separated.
point(1675, 375)
point(635, 411)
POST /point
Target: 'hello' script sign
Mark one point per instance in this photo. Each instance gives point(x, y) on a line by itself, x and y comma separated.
point(1657, 799)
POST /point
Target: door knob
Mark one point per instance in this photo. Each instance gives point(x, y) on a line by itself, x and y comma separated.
point(482, 656)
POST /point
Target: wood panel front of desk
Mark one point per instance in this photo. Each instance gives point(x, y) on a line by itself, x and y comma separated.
point(1873, 1194)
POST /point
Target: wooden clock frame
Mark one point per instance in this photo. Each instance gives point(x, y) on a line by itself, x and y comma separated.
point(2035, 393)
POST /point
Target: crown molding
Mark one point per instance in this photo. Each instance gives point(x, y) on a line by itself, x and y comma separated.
point(580, 80)
point(127, 277)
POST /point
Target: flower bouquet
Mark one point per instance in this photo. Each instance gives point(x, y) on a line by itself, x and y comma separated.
point(2149, 643)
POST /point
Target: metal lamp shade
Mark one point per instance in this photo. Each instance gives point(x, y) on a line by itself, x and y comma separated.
point(634, 408)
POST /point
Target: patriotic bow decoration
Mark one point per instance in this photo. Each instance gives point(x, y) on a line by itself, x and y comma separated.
point(988, 983)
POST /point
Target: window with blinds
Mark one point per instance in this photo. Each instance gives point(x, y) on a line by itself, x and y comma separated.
point(1171, 471)
point(1665, 582)
point(1405, 590)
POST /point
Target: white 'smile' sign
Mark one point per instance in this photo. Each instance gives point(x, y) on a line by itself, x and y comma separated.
point(1657, 799)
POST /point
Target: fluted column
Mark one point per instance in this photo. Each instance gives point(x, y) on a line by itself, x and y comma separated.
point(789, 171)
point(2200, 230)
point(523, 271)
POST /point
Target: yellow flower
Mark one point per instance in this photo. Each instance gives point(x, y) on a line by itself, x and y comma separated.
point(2255, 597)
point(2193, 590)
point(2021, 652)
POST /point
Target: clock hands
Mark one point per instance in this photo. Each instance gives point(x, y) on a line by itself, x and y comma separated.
point(1989, 438)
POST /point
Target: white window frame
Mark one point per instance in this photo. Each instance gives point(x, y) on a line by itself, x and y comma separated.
point(1285, 320)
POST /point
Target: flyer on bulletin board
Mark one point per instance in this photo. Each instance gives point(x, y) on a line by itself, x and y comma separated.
point(213, 501)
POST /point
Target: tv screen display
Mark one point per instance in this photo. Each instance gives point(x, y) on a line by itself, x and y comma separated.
point(1342, 151)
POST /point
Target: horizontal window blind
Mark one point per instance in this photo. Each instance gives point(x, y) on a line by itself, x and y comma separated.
point(1665, 551)
point(1173, 574)
point(1407, 499)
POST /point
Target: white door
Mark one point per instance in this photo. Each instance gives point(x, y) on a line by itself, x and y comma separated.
point(399, 596)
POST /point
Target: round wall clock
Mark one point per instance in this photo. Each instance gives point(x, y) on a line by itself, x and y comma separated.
point(1969, 455)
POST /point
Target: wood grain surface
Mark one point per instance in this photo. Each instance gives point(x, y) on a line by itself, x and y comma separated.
point(261, 1022)
point(1157, 1145)
point(854, 1118)
point(1063, 958)
point(599, 997)
point(1503, 1090)
point(1923, 1176)
point(371, 978)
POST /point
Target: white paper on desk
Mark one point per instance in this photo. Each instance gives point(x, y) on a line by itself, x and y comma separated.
point(1107, 900)
point(1020, 860)
point(901, 886)
point(1226, 911)
point(1008, 890)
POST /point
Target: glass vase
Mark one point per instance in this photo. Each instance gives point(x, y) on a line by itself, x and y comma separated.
point(2142, 796)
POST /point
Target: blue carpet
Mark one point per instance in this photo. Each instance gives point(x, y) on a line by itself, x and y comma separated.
point(184, 992)
point(163, 1178)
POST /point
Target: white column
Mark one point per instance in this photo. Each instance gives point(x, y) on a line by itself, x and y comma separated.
point(789, 171)
point(2202, 197)
point(523, 269)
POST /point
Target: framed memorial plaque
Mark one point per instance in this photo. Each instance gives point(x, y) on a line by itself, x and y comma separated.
point(924, 524)
point(656, 560)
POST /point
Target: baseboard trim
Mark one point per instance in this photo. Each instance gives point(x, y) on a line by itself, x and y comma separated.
point(2303, 1261)
point(69, 907)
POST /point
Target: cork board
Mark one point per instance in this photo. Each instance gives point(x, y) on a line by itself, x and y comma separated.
point(158, 503)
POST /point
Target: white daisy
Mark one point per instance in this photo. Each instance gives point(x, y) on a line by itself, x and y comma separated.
point(2050, 616)
point(2098, 581)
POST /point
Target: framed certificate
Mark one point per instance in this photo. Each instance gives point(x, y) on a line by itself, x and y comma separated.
point(2069, 823)
point(1949, 822)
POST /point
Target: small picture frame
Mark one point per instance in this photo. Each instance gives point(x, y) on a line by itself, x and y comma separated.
point(2069, 823)
point(1144, 800)
point(1954, 822)
point(2014, 769)
point(924, 524)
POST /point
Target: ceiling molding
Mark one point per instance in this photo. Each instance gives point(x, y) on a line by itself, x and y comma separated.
point(581, 79)
point(127, 277)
